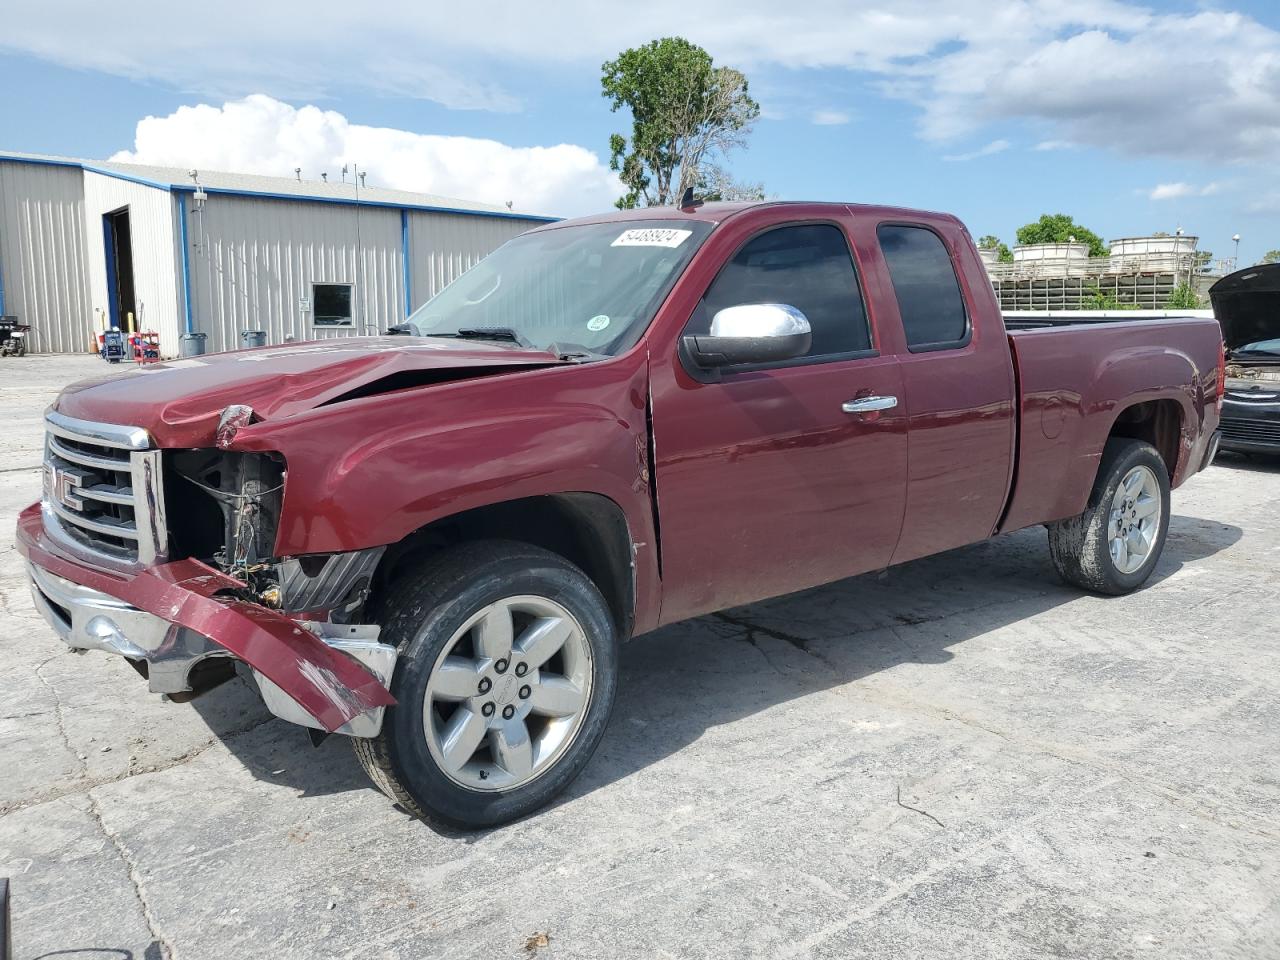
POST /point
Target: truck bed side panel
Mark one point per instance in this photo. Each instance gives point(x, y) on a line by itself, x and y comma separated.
point(1076, 382)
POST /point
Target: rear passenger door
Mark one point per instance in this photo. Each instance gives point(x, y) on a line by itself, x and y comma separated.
point(765, 482)
point(958, 388)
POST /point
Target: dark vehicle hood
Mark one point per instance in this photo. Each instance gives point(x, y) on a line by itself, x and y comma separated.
point(1247, 305)
point(180, 402)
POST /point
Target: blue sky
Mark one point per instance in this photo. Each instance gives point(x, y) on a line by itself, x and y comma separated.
point(1131, 117)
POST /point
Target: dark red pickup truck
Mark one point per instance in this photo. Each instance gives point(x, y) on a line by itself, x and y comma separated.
point(434, 541)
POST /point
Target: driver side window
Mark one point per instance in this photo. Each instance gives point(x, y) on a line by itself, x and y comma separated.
point(807, 267)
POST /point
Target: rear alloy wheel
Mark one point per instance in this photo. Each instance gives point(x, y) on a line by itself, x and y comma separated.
point(505, 682)
point(1115, 544)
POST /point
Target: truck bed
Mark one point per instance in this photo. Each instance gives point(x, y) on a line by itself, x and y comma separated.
point(1062, 430)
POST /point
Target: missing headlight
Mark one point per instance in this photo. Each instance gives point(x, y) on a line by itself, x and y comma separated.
point(233, 517)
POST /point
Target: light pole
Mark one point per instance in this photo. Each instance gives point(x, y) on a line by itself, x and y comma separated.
point(1235, 258)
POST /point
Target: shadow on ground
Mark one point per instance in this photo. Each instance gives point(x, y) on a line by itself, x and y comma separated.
point(672, 686)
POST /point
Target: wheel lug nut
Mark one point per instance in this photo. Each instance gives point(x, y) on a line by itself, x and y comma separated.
point(521, 669)
point(508, 712)
point(487, 709)
point(500, 666)
point(524, 692)
point(485, 684)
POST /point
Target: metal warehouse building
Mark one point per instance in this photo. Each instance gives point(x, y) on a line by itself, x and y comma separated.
point(86, 245)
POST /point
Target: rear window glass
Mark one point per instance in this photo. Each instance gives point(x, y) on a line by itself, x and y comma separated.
point(925, 284)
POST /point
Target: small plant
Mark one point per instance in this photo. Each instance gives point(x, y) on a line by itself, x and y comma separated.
point(1183, 297)
point(1096, 299)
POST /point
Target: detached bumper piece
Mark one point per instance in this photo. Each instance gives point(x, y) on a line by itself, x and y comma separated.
point(333, 677)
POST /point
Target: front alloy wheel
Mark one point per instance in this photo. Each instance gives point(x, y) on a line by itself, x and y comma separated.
point(506, 678)
point(508, 693)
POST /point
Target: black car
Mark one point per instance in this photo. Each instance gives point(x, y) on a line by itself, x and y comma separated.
point(1247, 304)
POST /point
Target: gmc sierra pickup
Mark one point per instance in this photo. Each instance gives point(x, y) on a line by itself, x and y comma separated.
point(434, 542)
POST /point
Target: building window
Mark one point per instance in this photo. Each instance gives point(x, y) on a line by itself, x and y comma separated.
point(331, 304)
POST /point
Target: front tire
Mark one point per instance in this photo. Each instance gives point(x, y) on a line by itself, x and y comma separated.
point(506, 679)
point(1115, 544)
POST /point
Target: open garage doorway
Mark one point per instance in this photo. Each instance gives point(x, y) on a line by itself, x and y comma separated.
point(118, 242)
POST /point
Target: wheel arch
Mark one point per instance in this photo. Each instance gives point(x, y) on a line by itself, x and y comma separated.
point(589, 530)
point(1159, 422)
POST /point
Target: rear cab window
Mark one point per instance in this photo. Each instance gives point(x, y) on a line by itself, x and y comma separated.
point(806, 266)
point(925, 284)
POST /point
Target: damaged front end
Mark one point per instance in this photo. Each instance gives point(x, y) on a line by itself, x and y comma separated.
point(217, 594)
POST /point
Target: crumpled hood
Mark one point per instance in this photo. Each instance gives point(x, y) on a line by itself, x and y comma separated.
point(179, 402)
point(1247, 305)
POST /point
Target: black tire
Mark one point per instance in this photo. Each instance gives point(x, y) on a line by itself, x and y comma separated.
point(421, 613)
point(1079, 545)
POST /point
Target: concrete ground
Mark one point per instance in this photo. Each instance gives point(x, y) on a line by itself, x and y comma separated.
point(961, 759)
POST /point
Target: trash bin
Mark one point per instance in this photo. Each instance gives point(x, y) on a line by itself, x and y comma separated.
point(192, 344)
point(252, 338)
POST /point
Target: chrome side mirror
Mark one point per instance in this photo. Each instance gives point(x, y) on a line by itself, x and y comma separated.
point(752, 333)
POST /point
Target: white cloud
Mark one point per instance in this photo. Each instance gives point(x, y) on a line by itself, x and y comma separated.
point(829, 118)
point(1171, 191)
point(1054, 145)
point(1176, 191)
point(1202, 84)
point(262, 135)
point(995, 146)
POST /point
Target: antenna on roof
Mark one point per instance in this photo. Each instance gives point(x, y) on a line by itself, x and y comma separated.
point(297, 172)
point(362, 178)
point(511, 204)
point(324, 177)
point(687, 202)
point(344, 173)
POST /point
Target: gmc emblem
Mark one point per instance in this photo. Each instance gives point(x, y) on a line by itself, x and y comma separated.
point(60, 485)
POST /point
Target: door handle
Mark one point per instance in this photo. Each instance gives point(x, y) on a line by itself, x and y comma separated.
point(869, 404)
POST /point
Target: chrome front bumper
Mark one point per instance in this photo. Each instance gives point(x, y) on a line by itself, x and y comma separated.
point(87, 619)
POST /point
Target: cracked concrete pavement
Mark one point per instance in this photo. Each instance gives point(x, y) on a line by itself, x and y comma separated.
point(960, 758)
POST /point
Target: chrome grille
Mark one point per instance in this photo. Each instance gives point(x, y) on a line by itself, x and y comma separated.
point(103, 494)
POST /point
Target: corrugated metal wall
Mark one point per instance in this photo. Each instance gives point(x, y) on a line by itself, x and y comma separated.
point(443, 246)
point(157, 282)
point(42, 254)
point(252, 261)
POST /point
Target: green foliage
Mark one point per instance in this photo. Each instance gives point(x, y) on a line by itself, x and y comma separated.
point(1096, 299)
point(685, 113)
point(1271, 256)
point(992, 242)
point(1060, 228)
point(1183, 297)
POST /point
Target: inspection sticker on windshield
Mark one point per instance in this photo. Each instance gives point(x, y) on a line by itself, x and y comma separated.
point(597, 323)
point(652, 237)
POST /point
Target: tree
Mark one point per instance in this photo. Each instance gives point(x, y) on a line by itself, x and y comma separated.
point(1183, 297)
point(686, 113)
point(715, 183)
point(992, 242)
point(1271, 256)
point(1060, 228)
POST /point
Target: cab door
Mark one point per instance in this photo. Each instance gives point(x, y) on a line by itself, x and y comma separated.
point(773, 478)
point(959, 383)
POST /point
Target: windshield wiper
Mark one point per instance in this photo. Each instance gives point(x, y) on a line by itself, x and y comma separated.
point(575, 352)
point(487, 333)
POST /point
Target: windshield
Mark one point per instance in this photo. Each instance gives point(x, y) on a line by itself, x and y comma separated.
point(1263, 347)
point(594, 286)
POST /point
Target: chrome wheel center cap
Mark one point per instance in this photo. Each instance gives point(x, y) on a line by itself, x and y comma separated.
point(504, 691)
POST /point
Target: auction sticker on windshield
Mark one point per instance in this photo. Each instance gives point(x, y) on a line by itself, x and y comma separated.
point(652, 237)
